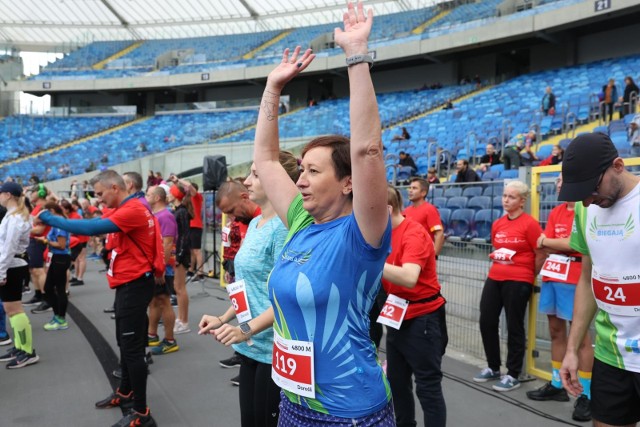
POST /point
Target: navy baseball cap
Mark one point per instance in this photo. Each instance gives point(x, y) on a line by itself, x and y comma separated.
point(12, 188)
point(584, 161)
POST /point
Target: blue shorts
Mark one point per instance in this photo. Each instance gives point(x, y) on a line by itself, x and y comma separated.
point(557, 298)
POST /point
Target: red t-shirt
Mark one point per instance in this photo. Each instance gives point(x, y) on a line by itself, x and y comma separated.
point(559, 227)
point(427, 215)
point(519, 235)
point(196, 221)
point(130, 260)
point(78, 237)
point(408, 246)
point(34, 213)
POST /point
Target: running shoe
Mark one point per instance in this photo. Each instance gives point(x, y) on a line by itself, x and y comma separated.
point(134, 418)
point(165, 348)
point(109, 310)
point(23, 359)
point(235, 381)
point(548, 392)
point(232, 362)
point(181, 328)
point(9, 355)
point(487, 374)
point(582, 409)
point(77, 283)
point(26, 290)
point(57, 324)
point(116, 399)
point(5, 340)
point(153, 341)
point(35, 300)
point(507, 383)
point(42, 308)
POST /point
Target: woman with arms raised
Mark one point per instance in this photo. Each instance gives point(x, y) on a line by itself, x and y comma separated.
point(324, 283)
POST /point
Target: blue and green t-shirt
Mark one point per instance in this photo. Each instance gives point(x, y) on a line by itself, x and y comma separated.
point(53, 235)
point(322, 289)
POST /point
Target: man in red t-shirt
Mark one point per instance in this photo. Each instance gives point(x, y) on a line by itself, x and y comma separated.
point(424, 212)
point(195, 226)
point(233, 200)
point(36, 250)
point(132, 239)
point(417, 347)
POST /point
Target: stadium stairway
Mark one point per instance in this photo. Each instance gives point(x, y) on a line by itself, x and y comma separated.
point(276, 39)
point(420, 28)
point(100, 65)
point(76, 141)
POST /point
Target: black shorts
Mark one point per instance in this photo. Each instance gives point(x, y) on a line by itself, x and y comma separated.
point(165, 288)
point(195, 234)
point(12, 290)
point(35, 250)
point(75, 251)
point(615, 394)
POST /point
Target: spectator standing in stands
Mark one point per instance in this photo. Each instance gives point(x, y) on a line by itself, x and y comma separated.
point(404, 135)
point(448, 105)
point(14, 270)
point(490, 158)
point(555, 158)
point(132, 237)
point(417, 346)
point(183, 213)
point(57, 242)
point(511, 153)
point(556, 301)
point(104, 159)
point(160, 306)
point(610, 97)
point(516, 261)
point(465, 173)
point(195, 227)
point(151, 179)
point(432, 176)
point(424, 213)
point(605, 232)
point(407, 161)
point(548, 104)
point(629, 88)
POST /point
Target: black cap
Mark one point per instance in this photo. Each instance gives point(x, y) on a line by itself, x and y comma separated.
point(584, 160)
point(12, 188)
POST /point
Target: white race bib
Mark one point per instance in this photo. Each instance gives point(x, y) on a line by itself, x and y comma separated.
point(617, 293)
point(225, 237)
point(114, 254)
point(393, 311)
point(292, 366)
point(238, 296)
point(502, 256)
point(556, 266)
point(49, 258)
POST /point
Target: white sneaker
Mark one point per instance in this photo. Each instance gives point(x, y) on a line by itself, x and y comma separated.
point(181, 328)
point(507, 383)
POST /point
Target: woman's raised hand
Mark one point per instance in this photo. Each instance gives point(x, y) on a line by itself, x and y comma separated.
point(291, 66)
point(357, 26)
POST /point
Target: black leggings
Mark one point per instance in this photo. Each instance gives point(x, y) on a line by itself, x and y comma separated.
point(514, 297)
point(259, 395)
point(55, 285)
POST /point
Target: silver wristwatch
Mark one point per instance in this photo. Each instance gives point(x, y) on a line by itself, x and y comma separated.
point(245, 328)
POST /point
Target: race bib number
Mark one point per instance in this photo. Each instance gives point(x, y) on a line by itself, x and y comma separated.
point(238, 296)
point(292, 366)
point(556, 267)
point(393, 311)
point(502, 256)
point(617, 293)
point(112, 261)
point(225, 237)
point(49, 258)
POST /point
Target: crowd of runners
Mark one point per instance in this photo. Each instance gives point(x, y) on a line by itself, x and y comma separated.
point(319, 255)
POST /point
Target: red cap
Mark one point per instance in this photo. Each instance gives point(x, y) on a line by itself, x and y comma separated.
point(175, 192)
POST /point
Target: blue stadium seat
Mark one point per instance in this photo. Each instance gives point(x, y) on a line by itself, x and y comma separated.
point(472, 191)
point(479, 203)
point(461, 223)
point(493, 190)
point(440, 202)
point(458, 202)
point(544, 151)
point(510, 174)
point(445, 217)
point(453, 191)
point(497, 202)
point(483, 221)
point(436, 191)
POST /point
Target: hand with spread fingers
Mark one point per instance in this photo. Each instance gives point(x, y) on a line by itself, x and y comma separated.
point(357, 27)
point(291, 65)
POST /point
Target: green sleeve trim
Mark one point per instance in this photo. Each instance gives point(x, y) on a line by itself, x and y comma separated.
point(297, 217)
point(578, 241)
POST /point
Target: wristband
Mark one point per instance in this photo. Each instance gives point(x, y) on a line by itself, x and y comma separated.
point(357, 59)
point(220, 320)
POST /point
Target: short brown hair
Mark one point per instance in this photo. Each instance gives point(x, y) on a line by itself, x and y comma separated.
point(54, 207)
point(423, 183)
point(290, 164)
point(340, 152)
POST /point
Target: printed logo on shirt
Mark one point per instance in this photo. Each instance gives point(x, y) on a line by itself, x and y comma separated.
point(296, 256)
point(503, 237)
point(561, 230)
point(631, 346)
point(619, 232)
